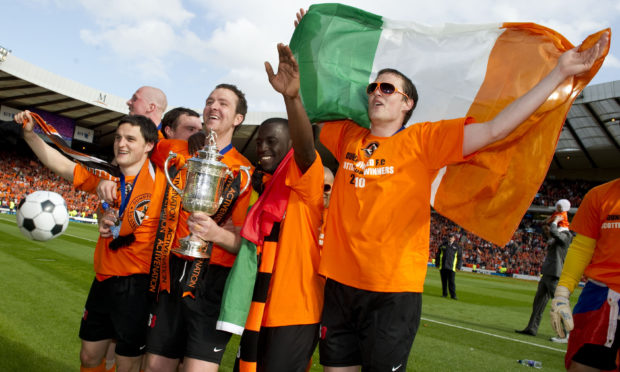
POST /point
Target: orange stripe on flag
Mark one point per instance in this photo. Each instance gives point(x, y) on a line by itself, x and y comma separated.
point(489, 194)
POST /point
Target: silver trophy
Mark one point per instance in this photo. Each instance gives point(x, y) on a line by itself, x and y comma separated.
point(206, 177)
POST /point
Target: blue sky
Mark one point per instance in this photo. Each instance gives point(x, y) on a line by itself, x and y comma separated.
point(186, 47)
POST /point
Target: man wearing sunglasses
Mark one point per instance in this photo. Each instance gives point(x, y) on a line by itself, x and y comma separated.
point(376, 244)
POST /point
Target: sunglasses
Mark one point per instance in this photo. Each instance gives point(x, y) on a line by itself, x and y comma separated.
point(386, 88)
point(327, 187)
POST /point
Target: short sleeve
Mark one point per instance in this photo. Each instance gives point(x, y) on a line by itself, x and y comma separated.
point(441, 142)
point(309, 185)
point(163, 149)
point(331, 136)
point(84, 180)
point(240, 210)
point(587, 220)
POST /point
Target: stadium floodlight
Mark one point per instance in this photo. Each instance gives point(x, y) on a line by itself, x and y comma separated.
point(3, 53)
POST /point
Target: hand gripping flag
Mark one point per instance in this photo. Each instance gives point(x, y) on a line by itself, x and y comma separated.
point(98, 167)
point(459, 70)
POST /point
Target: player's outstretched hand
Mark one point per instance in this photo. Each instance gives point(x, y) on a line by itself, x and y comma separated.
point(299, 16)
point(561, 314)
point(286, 81)
point(574, 62)
point(26, 120)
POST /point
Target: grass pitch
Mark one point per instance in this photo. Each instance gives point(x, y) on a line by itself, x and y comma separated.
point(44, 288)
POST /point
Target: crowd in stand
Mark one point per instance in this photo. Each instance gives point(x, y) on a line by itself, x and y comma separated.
point(20, 176)
point(524, 254)
point(553, 190)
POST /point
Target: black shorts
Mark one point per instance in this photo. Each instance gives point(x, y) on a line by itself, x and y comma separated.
point(372, 329)
point(600, 356)
point(287, 348)
point(184, 326)
point(117, 308)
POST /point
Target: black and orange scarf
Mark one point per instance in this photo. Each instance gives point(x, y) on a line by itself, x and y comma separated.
point(232, 190)
point(140, 193)
point(169, 215)
point(139, 199)
point(98, 167)
point(262, 228)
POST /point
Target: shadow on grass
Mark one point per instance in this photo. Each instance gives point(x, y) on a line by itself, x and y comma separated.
point(19, 357)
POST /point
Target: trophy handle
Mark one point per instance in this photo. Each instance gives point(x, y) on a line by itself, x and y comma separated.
point(247, 172)
point(172, 155)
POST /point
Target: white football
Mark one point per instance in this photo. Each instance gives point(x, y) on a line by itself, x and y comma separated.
point(42, 215)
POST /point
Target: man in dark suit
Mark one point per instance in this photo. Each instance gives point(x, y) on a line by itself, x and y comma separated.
point(448, 260)
point(551, 270)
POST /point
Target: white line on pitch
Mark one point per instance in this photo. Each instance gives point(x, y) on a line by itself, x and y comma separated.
point(493, 335)
point(81, 237)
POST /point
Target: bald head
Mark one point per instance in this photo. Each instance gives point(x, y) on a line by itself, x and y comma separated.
point(148, 101)
point(328, 183)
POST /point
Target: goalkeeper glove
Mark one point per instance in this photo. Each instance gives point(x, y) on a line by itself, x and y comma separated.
point(561, 314)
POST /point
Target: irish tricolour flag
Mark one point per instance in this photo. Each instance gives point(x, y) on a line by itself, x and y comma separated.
point(459, 70)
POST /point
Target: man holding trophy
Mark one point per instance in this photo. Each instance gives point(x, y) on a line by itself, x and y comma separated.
point(192, 276)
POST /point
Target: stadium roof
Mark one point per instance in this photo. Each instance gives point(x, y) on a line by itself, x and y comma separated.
point(591, 134)
point(26, 86)
point(590, 138)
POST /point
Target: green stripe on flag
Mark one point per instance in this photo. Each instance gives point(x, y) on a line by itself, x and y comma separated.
point(335, 47)
point(239, 288)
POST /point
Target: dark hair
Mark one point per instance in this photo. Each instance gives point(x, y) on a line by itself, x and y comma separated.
point(148, 129)
point(278, 122)
point(282, 121)
point(242, 104)
point(408, 88)
point(171, 118)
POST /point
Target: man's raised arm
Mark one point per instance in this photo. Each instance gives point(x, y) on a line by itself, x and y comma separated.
point(50, 157)
point(571, 63)
point(286, 82)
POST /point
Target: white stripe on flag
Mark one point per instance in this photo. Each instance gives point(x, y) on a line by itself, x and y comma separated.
point(435, 184)
point(451, 71)
point(229, 327)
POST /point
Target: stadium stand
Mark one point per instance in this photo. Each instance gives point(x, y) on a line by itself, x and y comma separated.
point(554, 190)
point(587, 154)
point(525, 252)
point(20, 176)
point(522, 255)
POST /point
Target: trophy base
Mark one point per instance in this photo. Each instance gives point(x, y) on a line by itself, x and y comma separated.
point(195, 248)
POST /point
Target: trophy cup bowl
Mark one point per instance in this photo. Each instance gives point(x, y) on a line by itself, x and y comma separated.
point(206, 178)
